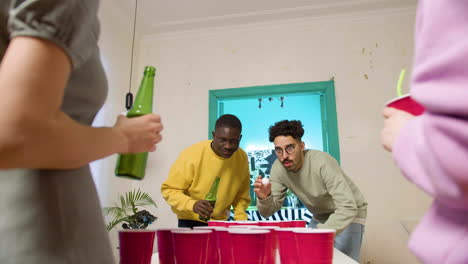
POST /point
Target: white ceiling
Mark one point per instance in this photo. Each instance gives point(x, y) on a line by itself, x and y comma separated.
point(169, 15)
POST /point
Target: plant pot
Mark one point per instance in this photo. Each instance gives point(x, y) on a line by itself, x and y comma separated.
point(136, 246)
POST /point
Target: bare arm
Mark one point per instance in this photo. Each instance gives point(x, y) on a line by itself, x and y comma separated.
point(35, 133)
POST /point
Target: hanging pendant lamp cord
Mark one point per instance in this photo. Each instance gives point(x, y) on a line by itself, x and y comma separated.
point(129, 95)
point(133, 44)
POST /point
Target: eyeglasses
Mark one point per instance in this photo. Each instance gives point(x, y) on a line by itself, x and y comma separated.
point(290, 149)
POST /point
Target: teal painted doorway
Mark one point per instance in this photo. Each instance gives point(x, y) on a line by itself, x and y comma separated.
point(259, 107)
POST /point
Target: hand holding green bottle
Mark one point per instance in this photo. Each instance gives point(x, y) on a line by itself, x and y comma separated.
point(204, 208)
point(141, 133)
point(132, 164)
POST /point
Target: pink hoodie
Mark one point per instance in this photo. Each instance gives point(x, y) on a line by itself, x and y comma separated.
point(432, 149)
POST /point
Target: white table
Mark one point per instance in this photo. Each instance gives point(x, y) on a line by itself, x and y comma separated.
point(338, 258)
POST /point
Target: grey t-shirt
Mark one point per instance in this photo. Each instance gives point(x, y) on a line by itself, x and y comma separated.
point(54, 216)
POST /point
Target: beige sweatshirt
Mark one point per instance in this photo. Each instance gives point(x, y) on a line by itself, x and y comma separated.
point(322, 186)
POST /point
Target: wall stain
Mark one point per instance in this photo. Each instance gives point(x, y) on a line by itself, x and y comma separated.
point(363, 51)
point(366, 77)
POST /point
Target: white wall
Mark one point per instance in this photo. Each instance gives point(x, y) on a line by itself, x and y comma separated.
point(347, 48)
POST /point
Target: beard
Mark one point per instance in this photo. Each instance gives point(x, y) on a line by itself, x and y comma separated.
point(288, 164)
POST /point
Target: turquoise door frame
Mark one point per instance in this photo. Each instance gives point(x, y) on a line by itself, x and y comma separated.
point(326, 89)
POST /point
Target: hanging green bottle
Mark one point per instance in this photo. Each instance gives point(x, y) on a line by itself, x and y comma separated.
point(134, 165)
point(211, 196)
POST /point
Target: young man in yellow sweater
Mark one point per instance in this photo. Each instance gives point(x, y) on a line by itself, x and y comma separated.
point(318, 181)
point(195, 170)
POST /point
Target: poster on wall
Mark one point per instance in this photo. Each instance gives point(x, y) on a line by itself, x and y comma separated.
point(260, 162)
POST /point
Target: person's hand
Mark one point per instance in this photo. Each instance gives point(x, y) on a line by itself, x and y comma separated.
point(203, 208)
point(394, 120)
point(262, 190)
point(142, 133)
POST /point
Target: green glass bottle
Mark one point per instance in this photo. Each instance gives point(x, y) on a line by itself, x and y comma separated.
point(134, 165)
point(211, 196)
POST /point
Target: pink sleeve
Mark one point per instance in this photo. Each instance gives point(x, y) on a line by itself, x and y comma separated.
point(432, 150)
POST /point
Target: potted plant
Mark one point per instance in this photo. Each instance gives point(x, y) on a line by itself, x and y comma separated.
point(128, 213)
point(135, 242)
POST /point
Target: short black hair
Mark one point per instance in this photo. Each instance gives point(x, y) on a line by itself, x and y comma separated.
point(230, 121)
point(293, 128)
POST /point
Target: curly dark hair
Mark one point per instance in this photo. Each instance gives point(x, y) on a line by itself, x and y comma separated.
point(293, 128)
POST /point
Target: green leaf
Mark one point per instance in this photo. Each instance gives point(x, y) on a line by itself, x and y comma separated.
point(115, 211)
point(125, 205)
point(139, 198)
point(115, 222)
point(144, 199)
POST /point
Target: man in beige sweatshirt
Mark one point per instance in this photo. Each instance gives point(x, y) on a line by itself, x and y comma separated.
point(318, 181)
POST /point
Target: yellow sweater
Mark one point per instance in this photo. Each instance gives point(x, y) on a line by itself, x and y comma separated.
point(192, 175)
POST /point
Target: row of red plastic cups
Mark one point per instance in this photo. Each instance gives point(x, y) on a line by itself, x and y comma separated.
point(288, 223)
point(256, 244)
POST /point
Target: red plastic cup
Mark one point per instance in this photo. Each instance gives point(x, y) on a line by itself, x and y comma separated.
point(298, 223)
point(224, 245)
point(136, 246)
point(270, 223)
point(233, 223)
point(191, 246)
point(213, 252)
point(218, 223)
point(406, 103)
point(250, 246)
point(287, 246)
point(271, 257)
point(165, 244)
point(242, 226)
point(314, 245)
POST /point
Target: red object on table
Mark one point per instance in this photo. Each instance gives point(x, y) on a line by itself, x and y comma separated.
point(136, 246)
